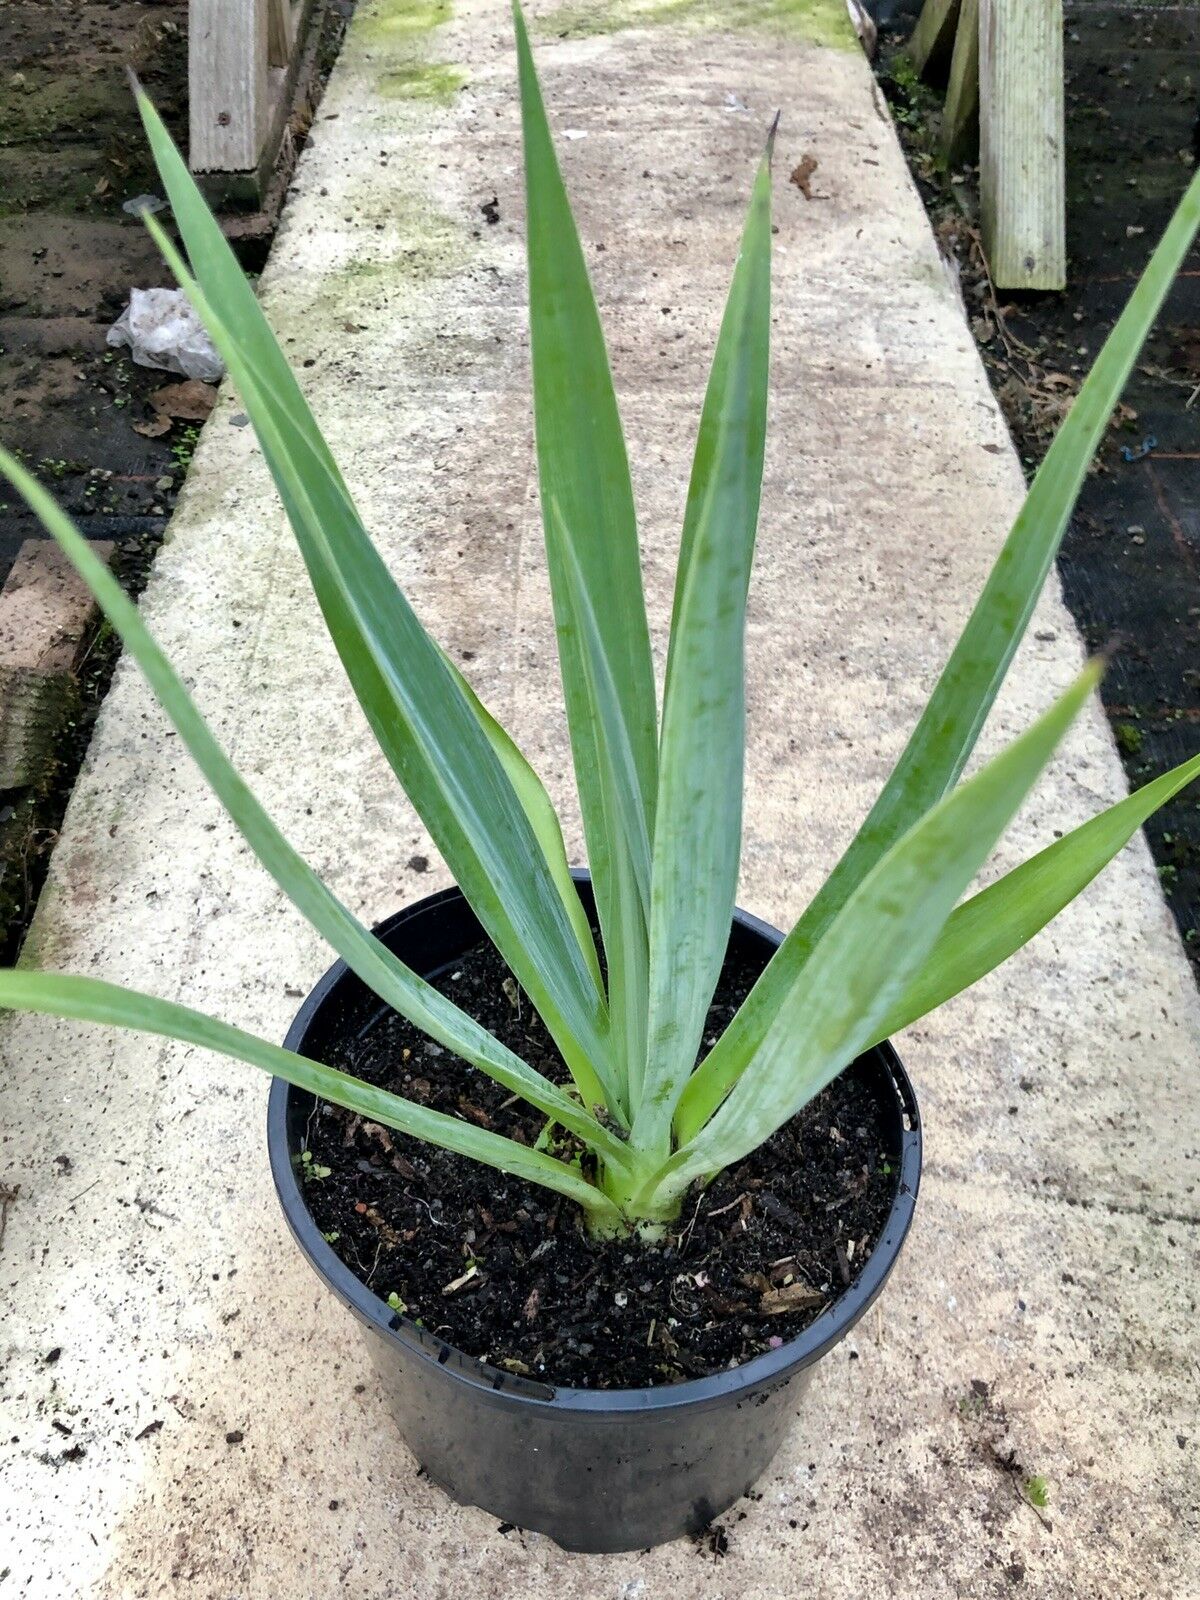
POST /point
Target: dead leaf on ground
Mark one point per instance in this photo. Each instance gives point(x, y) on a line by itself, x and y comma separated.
point(154, 428)
point(190, 401)
point(802, 174)
point(476, 1113)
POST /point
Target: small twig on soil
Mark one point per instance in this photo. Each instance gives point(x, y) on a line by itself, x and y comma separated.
point(1010, 340)
point(461, 1282)
point(843, 1260)
point(687, 1232)
point(590, 1273)
point(721, 1210)
point(1015, 1473)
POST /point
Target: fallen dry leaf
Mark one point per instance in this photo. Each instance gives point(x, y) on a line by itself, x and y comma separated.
point(802, 174)
point(190, 401)
point(155, 428)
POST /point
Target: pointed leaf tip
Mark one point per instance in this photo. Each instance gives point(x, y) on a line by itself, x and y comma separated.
point(771, 132)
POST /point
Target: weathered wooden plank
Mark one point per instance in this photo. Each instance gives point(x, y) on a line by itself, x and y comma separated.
point(46, 610)
point(281, 32)
point(932, 40)
point(1021, 158)
point(228, 91)
point(960, 114)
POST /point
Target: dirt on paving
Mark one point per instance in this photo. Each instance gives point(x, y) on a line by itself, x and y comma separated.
point(72, 152)
point(1130, 561)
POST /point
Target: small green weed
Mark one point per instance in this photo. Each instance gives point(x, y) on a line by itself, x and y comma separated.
point(1037, 1491)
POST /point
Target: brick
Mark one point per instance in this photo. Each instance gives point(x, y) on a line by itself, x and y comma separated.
point(46, 611)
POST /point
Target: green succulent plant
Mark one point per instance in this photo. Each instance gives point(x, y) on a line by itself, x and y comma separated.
point(885, 940)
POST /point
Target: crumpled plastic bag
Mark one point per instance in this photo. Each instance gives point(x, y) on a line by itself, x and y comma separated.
point(163, 331)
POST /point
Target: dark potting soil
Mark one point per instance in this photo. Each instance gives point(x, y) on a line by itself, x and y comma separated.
point(504, 1271)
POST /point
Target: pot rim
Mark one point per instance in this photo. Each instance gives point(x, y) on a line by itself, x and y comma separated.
point(821, 1335)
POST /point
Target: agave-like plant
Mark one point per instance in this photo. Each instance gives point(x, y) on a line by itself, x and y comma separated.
point(880, 945)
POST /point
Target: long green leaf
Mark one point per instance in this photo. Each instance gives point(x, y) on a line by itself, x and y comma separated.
point(218, 268)
point(625, 809)
point(543, 819)
point(383, 972)
point(698, 826)
point(583, 469)
point(91, 1000)
point(425, 724)
point(872, 951)
point(988, 928)
point(625, 819)
point(949, 726)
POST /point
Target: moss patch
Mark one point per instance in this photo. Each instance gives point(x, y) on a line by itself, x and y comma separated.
point(56, 134)
point(401, 30)
point(426, 243)
point(432, 80)
point(38, 105)
point(38, 180)
point(825, 22)
point(385, 21)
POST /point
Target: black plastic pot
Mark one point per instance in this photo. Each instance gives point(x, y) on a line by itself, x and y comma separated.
point(597, 1470)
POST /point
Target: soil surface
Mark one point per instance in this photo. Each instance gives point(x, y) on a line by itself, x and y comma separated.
point(72, 152)
point(503, 1270)
point(1130, 561)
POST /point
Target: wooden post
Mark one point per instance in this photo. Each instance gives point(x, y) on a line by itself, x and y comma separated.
point(1021, 158)
point(962, 92)
point(932, 40)
point(227, 84)
point(280, 32)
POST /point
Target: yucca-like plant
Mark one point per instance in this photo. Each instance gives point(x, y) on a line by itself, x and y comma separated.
point(882, 943)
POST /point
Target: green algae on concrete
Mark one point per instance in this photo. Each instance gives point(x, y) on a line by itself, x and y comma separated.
point(432, 80)
point(399, 19)
point(823, 22)
point(427, 243)
point(400, 31)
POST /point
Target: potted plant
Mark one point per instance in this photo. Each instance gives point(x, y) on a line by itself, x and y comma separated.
point(627, 1161)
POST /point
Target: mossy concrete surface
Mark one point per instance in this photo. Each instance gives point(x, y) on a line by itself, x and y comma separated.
point(816, 21)
point(185, 1411)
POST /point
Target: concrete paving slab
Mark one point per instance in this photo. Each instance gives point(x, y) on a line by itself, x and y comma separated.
point(226, 1433)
